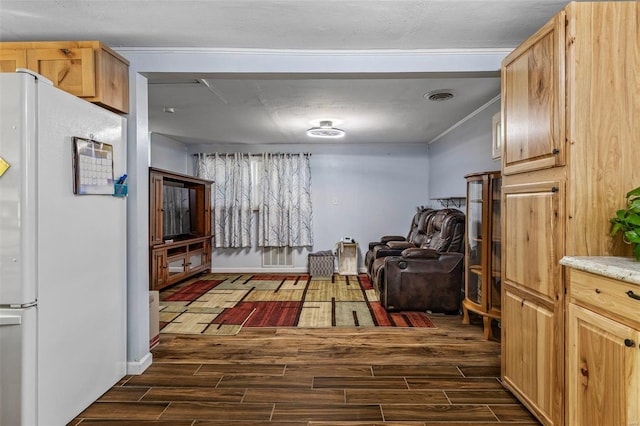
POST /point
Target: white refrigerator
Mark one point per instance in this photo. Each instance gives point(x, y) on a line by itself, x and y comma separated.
point(62, 257)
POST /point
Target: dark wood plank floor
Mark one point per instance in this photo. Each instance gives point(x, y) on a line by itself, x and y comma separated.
point(317, 377)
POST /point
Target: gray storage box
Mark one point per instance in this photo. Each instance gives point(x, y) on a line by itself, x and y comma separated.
point(321, 263)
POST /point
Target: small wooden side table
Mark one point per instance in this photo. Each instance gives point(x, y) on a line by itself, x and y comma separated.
point(347, 258)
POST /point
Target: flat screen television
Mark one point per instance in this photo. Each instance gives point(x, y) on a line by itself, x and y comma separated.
point(178, 212)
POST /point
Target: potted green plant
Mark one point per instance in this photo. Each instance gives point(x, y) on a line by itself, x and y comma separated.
point(628, 221)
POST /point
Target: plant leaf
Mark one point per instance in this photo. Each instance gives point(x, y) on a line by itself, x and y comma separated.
point(633, 192)
point(634, 219)
point(632, 237)
point(615, 228)
point(636, 251)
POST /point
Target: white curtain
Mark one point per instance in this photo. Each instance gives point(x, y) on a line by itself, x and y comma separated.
point(230, 197)
point(285, 217)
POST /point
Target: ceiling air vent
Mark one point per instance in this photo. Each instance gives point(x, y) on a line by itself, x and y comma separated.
point(439, 95)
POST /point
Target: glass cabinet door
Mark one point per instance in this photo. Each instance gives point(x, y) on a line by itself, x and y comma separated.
point(176, 266)
point(195, 259)
point(474, 241)
point(496, 247)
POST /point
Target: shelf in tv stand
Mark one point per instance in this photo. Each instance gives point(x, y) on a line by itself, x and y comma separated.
point(182, 241)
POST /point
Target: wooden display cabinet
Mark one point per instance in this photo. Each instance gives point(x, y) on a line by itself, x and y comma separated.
point(87, 69)
point(482, 249)
point(182, 248)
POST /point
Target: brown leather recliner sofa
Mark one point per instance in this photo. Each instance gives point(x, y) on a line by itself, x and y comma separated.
point(394, 244)
point(428, 277)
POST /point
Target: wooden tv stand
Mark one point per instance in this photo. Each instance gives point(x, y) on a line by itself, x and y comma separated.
point(173, 260)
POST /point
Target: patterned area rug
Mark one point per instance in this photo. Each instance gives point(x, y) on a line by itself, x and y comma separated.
point(224, 303)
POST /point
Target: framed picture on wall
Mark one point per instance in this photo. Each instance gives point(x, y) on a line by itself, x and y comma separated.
point(496, 144)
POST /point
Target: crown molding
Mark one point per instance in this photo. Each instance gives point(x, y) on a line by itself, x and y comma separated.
point(310, 52)
point(465, 119)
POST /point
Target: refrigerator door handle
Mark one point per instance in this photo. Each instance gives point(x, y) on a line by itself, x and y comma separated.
point(10, 320)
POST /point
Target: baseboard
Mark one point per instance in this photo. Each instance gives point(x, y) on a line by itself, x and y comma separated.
point(135, 368)
point(259, 270)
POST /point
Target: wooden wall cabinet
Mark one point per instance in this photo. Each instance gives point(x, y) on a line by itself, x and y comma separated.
point(87, 69)
point(483, 248)
point(603, 351)
point(176, 253)
point(569, 101)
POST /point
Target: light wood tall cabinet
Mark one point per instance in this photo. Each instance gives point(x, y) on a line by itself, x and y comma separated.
point(87, 69)
point(482, 249)
point(179, 227)
point(570, 103)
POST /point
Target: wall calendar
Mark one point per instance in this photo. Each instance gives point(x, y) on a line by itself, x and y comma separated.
point(92, 167)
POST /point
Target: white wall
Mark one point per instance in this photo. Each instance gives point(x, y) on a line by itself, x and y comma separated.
point(358, 191)
point(465, 149)
point(169, 154)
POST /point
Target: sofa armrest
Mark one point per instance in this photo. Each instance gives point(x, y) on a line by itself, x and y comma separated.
point(384, 251)
point(373, 244)
point(420, 253)
point(387, 238)
point(400, 245)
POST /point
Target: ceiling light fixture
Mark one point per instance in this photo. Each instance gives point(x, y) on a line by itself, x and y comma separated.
point(169, 110)
point(325, 130)
point(439, 95)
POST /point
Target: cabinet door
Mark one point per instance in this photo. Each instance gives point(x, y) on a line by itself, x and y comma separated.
point(70, 69)
point(196, 260)
point(112, 81)
point(207, 209)
point(603, 370)
point(476, 242)
point(496, 245)
point(159, 269)
point(533, 295)
point(176, 268)
point(533, 101)
point(532, 354)
point(533, 238)
point(10, 59)
point(155, 209)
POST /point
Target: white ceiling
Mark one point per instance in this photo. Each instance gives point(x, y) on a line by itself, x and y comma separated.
point(279, 108)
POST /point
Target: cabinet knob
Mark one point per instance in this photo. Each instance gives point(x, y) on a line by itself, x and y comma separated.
point(555, 151)
point(629, 343)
